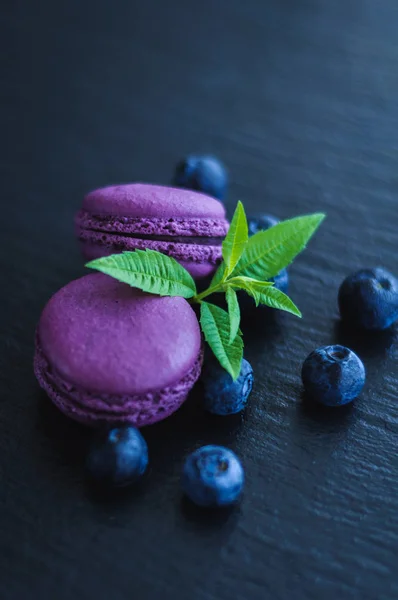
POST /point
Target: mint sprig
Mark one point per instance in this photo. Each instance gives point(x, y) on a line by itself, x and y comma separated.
point(248, 264)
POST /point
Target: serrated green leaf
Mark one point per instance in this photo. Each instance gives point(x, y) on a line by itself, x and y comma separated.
point(218, 276)
point(233, 312)
point(149, 271)
point(252, 286)
point(236, 239)
point(216, 329)
point(273, 297)
point(246, 283)
point(268, 252)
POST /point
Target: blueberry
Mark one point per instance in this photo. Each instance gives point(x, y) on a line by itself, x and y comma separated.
point(258, 223)
point(212, 476)
point(203, 174)
point(117, 457)
point(369, 299)
point(333, 375)
point(222, 395)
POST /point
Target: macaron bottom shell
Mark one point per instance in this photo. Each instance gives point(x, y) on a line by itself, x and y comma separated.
point(98, 410)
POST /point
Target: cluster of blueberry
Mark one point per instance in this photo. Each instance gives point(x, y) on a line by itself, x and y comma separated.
point(211, 476)
point(331, 375)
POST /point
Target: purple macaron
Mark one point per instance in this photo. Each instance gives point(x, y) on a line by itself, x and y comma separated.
point(107, 353)
point(187, 225)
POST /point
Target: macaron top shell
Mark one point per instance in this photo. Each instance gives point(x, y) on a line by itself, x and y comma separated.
point(141, 200)
point(106, 337)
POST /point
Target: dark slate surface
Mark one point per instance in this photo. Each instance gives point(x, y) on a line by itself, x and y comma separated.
point(299, 98)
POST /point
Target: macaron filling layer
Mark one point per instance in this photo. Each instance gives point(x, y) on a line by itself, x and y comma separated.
point(199, 227)
point(95, 409)
point(181, 251)
point(197, 241)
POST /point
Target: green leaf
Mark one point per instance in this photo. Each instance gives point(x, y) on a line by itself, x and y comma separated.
point(149, 271)
point(216, 329)
point(268, 252)
point(273, 297)
point(218, 276)
point(247, 283)
point(233, 312)
point(236, 239)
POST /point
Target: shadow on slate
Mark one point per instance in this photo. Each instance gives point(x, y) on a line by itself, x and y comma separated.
point(208, 519)
point(368, 345)
point(122, 498)
point(189, 428)
point(326, 418)
point(261, 326)
point(67, 439)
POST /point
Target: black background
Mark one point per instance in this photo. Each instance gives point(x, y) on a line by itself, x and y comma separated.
point(299, 98)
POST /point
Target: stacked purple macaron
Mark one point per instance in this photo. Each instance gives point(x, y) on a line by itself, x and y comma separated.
point(187, 225)
point(107, 353)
